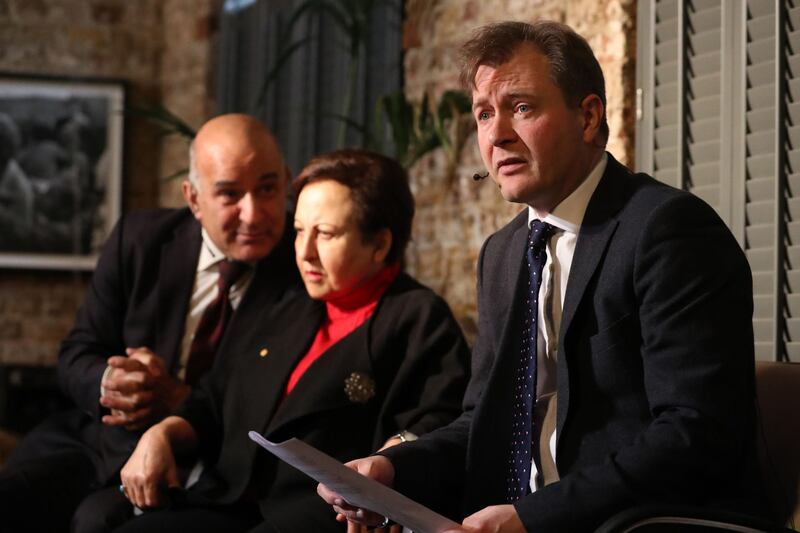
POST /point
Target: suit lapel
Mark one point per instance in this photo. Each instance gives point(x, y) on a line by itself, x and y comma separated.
point(510, 303)
point(176, 275)
point(322, 386)
point(597, 228)
point(288, 340)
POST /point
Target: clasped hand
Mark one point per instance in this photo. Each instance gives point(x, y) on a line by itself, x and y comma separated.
point(139, 390)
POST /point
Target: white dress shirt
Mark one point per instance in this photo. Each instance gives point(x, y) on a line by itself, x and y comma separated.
point(566, 219)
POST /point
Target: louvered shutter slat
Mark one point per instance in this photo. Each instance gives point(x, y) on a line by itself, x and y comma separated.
point(759, 189)
point(667, 72)
point(763, 306)
point(762, 142)
point(761, 166)
point(667, 94)
point(666, 115)
point(666, 175)
point(665, 157)
point(761, 74)
point(703, 99)
point(762, 95)
point(666, 9)
point(760, 212)
point(762, 119)
point(793, 280)
point(704, 152)
point(762, 329)
point(762, 27)
point(793, 208)
point(667, 136)
point(762, 282)
point(762, 51)
point(759, 233)
point(707, 108)
point(705, 129)
point(706, 174)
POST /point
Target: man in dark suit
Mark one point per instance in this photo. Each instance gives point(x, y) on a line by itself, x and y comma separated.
point(152, 322)
point(614, 359)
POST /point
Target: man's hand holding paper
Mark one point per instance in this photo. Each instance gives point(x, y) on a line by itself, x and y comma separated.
point(495, 519)
point(376, 467)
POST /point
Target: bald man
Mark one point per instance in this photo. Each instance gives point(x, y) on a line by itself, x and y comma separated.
point(142, 337)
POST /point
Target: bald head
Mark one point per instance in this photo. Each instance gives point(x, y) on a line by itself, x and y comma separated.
point(237, 186)
point(231, 141)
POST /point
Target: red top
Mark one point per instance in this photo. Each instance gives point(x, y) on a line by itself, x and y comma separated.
point(344, 315)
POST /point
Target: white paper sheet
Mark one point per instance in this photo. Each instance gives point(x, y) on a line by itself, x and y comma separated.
point(356, 489)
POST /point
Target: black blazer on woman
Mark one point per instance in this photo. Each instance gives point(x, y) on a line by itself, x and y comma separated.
point(410, 353)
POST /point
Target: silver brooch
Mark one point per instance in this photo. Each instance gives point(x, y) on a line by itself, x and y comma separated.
point(360, 388)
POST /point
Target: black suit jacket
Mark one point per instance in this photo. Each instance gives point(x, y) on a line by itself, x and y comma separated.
point(139, 296)
point(412, 349)
point(655, 368)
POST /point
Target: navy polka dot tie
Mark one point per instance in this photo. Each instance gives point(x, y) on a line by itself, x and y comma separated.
point(519, 462)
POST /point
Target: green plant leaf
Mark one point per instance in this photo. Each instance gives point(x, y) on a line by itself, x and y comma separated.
point(398, 115)
point(177, 174)
point(170, 123)
point(346, 120)
point(283, 57)
point(454, 103)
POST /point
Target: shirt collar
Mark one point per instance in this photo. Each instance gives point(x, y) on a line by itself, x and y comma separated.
point(210, 254)
point(568, 215)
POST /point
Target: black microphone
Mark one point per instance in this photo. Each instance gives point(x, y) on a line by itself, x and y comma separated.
point(478, 177)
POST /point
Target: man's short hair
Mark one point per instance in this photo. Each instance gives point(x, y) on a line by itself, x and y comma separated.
point(573, 67)
point(194, 177)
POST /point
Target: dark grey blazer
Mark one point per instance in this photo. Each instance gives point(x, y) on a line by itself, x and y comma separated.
point(655, 368)
point(139, 296)
point(411, 348)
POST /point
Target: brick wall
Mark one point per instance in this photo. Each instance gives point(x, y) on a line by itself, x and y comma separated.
point(187, 80)
point(163, 50)
point(454, 216)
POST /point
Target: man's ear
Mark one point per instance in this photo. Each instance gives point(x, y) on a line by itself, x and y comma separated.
point(190, 195)
point(383, 243)
point(592, 112)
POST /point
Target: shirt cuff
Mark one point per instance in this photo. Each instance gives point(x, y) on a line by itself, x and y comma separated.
point(106, 372)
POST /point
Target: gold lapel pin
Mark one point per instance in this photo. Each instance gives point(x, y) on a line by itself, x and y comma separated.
point(264, 352)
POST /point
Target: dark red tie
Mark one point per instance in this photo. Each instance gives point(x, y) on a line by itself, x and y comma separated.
point(212, 323)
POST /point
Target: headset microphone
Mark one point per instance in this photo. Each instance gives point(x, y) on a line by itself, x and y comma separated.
point(478, 177)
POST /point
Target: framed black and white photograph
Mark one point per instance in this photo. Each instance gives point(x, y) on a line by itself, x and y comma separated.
point(61, 159)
